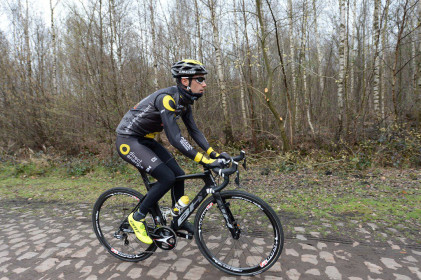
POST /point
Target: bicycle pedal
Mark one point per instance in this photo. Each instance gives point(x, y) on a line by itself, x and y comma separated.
point(188, 236)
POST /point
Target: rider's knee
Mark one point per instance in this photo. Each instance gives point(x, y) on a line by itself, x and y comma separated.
point(164, 175)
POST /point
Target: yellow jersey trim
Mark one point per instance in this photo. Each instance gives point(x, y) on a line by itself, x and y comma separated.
point(166, 101)
point(198, 157)
point(207, 160)
point(151, 135)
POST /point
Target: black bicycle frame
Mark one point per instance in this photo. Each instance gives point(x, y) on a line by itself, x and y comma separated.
point(208, 188)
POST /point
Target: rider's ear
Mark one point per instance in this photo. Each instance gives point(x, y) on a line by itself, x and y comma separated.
point(185, 82)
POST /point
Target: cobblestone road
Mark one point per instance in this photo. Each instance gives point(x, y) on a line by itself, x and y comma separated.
point(49, 241)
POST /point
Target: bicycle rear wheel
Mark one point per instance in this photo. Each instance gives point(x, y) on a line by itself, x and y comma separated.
point(109, 217)
point(260, 241)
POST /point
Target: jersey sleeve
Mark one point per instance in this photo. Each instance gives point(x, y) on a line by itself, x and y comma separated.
point(194, 132)
point(166, 106)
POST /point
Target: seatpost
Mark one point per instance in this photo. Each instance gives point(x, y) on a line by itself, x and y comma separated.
point(145, 179)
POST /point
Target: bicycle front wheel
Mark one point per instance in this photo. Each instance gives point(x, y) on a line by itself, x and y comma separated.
point(259, 243)
point(110, 224)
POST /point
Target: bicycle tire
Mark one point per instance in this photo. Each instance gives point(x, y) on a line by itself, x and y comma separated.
point(109, 213)
point(261, 234)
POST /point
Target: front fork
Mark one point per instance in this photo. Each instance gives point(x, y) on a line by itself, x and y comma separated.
point(230, 221)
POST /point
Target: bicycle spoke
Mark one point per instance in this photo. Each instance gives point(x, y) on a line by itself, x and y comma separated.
point(256, 248)
point(109, 217)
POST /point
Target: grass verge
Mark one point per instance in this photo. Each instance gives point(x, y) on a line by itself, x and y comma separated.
point(326, 202)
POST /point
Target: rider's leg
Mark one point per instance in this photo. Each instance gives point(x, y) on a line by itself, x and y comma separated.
point(166, 179)
point(178, 190)
point(168, 159)
point(144, 159)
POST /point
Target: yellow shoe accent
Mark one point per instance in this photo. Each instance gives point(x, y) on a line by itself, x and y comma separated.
point(139, 229)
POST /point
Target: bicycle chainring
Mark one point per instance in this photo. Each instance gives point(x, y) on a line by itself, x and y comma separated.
point(165, 238)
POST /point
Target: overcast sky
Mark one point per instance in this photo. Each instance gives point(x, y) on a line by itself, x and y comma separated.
point(39, 8)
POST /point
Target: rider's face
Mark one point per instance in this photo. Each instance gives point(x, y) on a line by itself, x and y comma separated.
point(195, 86)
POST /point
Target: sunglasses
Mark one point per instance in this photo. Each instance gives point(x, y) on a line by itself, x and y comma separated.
point(200, 80)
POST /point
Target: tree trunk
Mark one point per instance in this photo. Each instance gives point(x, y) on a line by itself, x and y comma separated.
point(238, 64)
point(319, 50)
point(198, 31)
point(352, 52)
point(303, 65)
point(28, 51)
point(220, 72)
point(281, 59)
point(383, 60)
point(395, 71)
point(54, 48)
point(250, 88)
point(292, 57)
point(341, 81)
point(376, 70)
point(269, 80)
point(418, 69)
point(154, 46)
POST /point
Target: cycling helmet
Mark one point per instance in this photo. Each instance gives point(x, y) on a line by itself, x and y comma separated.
point(187, 68)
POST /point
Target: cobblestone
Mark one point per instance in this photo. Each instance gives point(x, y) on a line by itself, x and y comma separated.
point(65, 247)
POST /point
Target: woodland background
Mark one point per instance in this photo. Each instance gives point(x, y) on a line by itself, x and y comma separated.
point(339, 76)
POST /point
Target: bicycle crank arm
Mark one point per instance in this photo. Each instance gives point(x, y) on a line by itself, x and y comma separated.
point(185, 235)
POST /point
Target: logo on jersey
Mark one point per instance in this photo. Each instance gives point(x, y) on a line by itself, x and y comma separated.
point(169, 103)
point(137, 118)
point(135, 160)
point(186, 144)
point(124, 149)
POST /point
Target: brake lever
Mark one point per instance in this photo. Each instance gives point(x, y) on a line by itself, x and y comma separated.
point(237, 179)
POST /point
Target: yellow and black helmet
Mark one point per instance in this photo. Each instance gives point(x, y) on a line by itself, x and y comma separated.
point(187, 68)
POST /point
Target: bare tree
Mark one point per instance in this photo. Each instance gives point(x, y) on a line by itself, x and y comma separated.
point(342, 58)
point(395, 71)
point(269, 79)
point(154, 44)
point(292, 61)
point(284, 74)
point(213, 6)
point(318, 48)
point(198, 30)
point(376, 63)
point(418, 74)
point(54, 47)
point(238, 63)
point(383, 68)
point(249, 80)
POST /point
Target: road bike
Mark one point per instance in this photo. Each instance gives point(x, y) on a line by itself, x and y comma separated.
point(236, 231)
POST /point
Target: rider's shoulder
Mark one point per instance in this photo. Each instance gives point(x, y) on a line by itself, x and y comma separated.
point(165, 97)
point(162, 93)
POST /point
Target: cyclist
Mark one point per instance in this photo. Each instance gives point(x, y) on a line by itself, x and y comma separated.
point(159, 111)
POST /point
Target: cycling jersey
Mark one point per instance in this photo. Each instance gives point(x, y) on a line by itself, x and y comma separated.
point(160, 111)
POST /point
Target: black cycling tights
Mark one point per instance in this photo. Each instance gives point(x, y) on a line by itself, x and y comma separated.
point(166, 179)
point(151, 157)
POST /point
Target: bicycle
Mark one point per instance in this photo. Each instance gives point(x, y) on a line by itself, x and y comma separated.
point(242, 235)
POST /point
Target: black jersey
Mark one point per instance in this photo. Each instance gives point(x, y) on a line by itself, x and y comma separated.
point(159, 111)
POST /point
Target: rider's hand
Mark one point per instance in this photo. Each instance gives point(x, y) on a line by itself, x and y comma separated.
point(223, 155)
point(213, 163)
